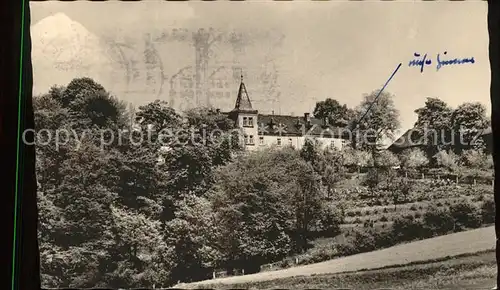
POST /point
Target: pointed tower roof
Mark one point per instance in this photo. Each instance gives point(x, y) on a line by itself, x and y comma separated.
point(243, 101)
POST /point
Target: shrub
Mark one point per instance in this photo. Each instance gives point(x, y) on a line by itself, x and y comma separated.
point(385, 210)
point(365, 240)
point(437, 220)
point(286, 263)
point(358, 221)
point(474, 158)
point(383, 218)
point(347, 247)
point(320, 254)
point(406, 228)
point(329, 220)
point(413, 158)
point(413, 207)
point(386, 159)
point(446, 160)
point(368, 224)
point(466, 215)
point(409, 217)
point(488, 210)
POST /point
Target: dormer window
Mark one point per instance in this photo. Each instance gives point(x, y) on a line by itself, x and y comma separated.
point(298, 124)
point(272, 124)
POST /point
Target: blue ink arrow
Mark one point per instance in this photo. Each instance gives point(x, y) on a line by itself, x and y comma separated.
point(378, 95)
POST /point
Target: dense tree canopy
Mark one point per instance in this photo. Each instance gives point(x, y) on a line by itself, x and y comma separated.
point(337, 114)
point(148, 197)
point(378, 120)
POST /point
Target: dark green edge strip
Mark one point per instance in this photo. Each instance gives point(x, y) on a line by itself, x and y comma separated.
point(19, 112)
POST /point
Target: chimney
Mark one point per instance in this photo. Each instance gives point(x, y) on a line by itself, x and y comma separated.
point(307, 118)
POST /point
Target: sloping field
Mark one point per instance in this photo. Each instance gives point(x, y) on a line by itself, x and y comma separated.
point(440, 247)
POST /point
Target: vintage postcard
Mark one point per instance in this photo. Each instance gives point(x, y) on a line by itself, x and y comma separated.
point(243, 144)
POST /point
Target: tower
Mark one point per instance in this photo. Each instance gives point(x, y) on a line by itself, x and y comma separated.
point(245, 117)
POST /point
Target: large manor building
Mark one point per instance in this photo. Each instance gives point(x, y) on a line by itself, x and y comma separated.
point(260, 130)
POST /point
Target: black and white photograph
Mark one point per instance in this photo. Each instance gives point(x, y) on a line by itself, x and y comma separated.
point(263, 145)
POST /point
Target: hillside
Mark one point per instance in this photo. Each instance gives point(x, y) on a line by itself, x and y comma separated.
point(440, 247)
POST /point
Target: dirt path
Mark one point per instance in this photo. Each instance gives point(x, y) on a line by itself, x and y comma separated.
point(440, 247)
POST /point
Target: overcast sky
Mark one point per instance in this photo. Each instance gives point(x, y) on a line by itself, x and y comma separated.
point(331, 49)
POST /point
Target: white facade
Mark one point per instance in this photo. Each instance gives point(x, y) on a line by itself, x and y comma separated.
point(261, 131)
point(264, 141)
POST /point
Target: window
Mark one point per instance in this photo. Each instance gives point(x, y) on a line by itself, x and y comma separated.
point(261, 140)
point(332, 144)
point(249, 140)
point(250, 122)
point(344, 143)
point(278, 141)
point(290, 141)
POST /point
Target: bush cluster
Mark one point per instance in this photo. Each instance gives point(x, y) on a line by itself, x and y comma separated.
point(436, 220)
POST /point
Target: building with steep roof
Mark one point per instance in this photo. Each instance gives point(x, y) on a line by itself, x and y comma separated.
point(264, 130)
point(412, 139)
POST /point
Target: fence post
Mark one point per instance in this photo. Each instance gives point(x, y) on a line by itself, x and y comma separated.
point(457, 179)
point(406, 174)
point(474, 182)
point(213, 275)
point(423, 177)
point(296, 260)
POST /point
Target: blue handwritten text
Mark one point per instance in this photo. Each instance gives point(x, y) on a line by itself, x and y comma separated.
point(422, 61)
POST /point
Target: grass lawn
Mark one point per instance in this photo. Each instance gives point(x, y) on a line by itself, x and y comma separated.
point(470, 271)
point(418, 252)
